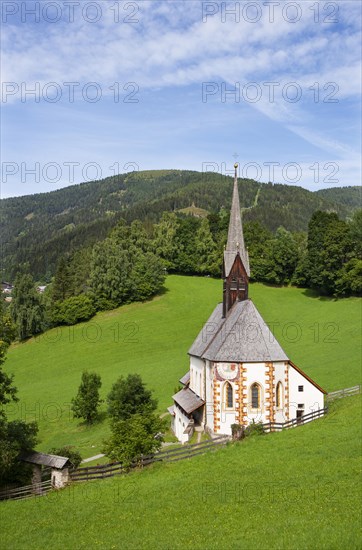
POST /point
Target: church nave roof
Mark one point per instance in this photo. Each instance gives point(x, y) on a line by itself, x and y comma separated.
point(243, 336)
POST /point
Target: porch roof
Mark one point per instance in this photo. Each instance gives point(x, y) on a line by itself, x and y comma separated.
point(188, 400)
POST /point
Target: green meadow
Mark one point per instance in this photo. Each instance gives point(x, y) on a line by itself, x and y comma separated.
point(320, 335)
point(298, 489)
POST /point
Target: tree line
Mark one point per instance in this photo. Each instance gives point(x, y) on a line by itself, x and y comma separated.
point(136, 429)
point(39, 229)
point(132, 262)
point(16, 436)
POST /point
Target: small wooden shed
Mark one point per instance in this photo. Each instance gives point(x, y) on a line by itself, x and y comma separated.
point(59, 467)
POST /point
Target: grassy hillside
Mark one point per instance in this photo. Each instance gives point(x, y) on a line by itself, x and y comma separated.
point(293, 490)
point(152, 339)
point(40, 228)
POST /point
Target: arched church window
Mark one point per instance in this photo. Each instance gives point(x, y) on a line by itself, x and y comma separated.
point(255, 396)
point(279, 395)
point(229, 395)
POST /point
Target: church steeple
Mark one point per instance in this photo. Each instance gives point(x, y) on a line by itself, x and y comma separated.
point(236, 270)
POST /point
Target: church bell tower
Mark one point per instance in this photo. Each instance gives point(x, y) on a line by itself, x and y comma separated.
point(236, 270)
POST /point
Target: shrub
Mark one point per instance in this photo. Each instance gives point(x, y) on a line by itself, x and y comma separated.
point(73, 310)
point(237, 431)
point(70, 452)
point(254, 429)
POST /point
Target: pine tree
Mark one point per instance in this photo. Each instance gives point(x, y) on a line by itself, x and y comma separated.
point(164, 241)
point(85, 404)
point(62, 286)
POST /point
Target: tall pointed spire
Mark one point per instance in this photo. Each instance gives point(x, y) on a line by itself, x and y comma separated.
point(236, 260)
point(235, 243)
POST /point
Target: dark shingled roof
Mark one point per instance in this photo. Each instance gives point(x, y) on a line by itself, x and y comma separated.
point(43, 459)
point(188, 400)
point(243, 336)
point(185, 380)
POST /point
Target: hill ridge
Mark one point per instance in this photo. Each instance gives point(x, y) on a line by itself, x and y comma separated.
point(67, 219)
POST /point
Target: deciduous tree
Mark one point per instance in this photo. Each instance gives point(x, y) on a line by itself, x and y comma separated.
point(130, 396)
point(27, 308)
point(138, 435)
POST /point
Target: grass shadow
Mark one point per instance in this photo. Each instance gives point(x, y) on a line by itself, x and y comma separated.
point(311, 293)
point(163, 290)
point(101, 417)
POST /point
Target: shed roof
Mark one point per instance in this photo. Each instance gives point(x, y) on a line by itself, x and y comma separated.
point(243, 336)
point(185, 380)
point(42, 459)
point(188, 400)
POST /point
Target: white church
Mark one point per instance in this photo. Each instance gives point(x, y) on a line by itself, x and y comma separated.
point(238, 371)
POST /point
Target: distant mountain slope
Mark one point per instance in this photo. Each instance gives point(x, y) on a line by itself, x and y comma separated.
point(349, 196)
point(40, 228)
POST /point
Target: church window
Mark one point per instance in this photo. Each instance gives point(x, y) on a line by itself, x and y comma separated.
point(279, 395)
point(300, 388)
point(229, 395)
point(255, 396)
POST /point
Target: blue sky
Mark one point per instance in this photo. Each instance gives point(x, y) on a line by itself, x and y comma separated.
point(294, 67)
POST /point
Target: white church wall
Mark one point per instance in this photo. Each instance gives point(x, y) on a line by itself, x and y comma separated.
point(281, 412)
point(227, 414)
point(180, 424)
point(309, 399)
point(227, 419)
point(209, 395)
point(197, 368)
point(255, 373)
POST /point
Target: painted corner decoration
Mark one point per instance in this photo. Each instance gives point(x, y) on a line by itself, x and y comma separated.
point(234, 378)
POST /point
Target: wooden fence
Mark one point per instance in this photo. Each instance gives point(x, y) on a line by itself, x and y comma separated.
point(343, 393)
point(186, 451)
point(169, 455)
point(172, 455)
point(278, 426)
point(37, 489)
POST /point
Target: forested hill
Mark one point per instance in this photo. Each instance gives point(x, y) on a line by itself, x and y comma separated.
point(40, 228)
point(349, 196)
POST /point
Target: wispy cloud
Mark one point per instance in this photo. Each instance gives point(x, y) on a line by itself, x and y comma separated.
point(171, 48)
